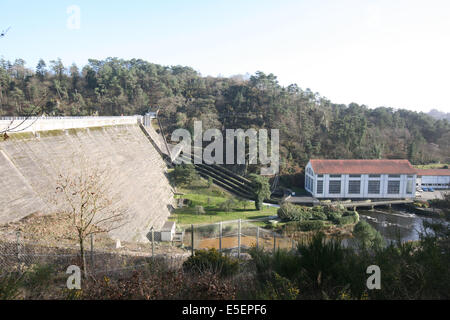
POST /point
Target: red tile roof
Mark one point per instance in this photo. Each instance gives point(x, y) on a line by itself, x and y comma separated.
point(433, 172)
point(384, 166)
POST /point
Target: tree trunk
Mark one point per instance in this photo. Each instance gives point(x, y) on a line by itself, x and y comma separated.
point(83, 257)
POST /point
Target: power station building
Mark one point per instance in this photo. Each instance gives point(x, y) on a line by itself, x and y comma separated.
point(360, 179)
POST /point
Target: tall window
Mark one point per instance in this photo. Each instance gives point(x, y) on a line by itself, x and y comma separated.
point(334, 187)
point(393, 187)
point(374, 187)
point(409, 186)
point(354, 187)
point(320, 186)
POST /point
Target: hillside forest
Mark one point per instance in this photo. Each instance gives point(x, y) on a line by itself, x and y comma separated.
point(311, 126)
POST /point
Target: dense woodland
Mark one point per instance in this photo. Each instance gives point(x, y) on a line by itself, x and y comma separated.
point(310, 125)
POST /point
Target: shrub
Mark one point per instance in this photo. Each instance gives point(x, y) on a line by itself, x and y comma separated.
point(367, 235)
point(228, 205)
point(210, 182)
point(327, 266)
point(278, 288)
point(227, 229)
point(39, 278)
point(292, 212)
point(283, 263)
point(209, 230)
point(262, 189)
point(183, 174)
point(317, 215)
point(160, 285)
point(333, 215)
point(10, 285)
point(348, 218)
point(311, 225)
point(211, 261)
point(200, 210)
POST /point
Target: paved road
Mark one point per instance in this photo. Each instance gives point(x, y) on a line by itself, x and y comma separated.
point(437, 194)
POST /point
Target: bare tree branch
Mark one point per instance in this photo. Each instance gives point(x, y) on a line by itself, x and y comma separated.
point(84, 196)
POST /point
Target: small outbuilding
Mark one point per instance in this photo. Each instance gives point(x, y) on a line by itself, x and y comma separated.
point(168, 231)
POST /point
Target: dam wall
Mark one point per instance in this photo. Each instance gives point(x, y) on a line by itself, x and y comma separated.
point(30, 163)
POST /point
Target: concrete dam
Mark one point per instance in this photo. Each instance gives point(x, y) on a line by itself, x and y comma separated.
point(30, 157)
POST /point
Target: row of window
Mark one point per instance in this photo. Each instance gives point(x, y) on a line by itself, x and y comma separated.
point(354, 187)
point(359, 176)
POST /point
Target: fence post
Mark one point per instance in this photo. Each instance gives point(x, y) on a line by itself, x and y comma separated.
point(92, 252)
point(239, 239)
point(257, 237)
point(153, 241)
point(18, 249)
point(192, 239)
point(220, 236)
point(274, 242)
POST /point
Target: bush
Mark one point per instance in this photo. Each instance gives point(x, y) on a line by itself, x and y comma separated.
point(421, 204)
point(317, 215)
point(311, 225)
point(367, 235)
point(10, 285)
point(278, 288)
point(348, 218)
point(183, 174)
point(160, 285)
point(208, 231)
point(211, 261)
point(282, 262)
point(210, 182)
point(333, 215)
point(228, 205)
point(261, 189)
point(39, 278)
point(292, 212)
point(199, 210)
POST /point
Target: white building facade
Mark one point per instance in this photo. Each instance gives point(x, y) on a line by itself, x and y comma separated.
point(360, 179)
point(433, 178)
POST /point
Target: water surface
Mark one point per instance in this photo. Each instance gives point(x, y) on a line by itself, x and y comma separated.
point(396, 224)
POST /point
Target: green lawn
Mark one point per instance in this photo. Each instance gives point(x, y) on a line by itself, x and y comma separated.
point(210, 199)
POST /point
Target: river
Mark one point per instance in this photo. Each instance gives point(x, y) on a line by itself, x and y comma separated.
point(396, 223)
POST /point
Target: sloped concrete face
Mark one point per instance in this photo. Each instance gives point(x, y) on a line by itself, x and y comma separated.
point(29, 168)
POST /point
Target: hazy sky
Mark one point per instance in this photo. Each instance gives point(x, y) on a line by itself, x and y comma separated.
point(391, 53)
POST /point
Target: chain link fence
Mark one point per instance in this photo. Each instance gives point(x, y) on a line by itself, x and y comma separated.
point(235, 236)
point(20, 255)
